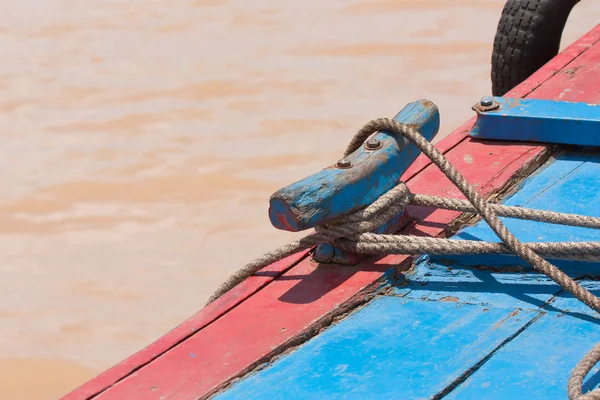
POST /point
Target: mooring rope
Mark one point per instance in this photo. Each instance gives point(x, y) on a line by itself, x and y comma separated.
point(352, 233)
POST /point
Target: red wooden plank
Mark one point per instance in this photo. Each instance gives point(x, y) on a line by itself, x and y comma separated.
point(170, 375)
point(558, 63)
point(568, 82)
point(192, 325)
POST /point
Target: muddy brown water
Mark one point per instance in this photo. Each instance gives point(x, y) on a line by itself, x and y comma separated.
point(141, 141)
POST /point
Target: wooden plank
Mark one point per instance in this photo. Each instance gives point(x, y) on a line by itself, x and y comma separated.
point(226, 353)
point(557, 64)
point(538, 362)
point(192, 325)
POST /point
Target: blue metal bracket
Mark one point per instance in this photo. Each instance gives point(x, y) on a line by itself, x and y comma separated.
point(353, 183)
point(533, 120)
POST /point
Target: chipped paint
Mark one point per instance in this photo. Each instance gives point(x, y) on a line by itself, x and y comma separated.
point(572, 72)
point(509, 316)
point(451, 299)
point(564, 93)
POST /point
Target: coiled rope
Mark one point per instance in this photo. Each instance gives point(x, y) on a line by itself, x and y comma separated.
point(352, 233)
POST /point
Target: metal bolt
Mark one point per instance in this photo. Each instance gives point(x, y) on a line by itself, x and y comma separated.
point(344, 163)
point(373, 144)
point(487, 101)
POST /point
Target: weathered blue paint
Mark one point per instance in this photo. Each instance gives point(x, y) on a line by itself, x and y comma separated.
point(335, 192)
point(537, 363)
point(497, 331)
point(545, 121)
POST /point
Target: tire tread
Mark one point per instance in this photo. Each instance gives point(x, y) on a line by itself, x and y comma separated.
point(528, 36)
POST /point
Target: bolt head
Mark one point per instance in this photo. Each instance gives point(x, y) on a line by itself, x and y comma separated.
point(373, 144)
point(344, 163)
point(487, 101)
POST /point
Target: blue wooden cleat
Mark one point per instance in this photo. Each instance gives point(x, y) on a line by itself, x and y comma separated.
point(354, 182)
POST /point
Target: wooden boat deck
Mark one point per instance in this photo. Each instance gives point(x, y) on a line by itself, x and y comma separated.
point(291, 301)
point(466, 326)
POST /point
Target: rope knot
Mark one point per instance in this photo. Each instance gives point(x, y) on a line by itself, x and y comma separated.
point(351, 227)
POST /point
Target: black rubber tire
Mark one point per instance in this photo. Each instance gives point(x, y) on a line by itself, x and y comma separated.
point(528, 36)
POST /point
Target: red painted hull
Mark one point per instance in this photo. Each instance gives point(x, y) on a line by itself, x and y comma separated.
point(289, 301)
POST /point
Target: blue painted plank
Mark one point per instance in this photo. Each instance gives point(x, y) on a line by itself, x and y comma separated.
point(335, 192)
point(393, 348)
point(535, 120)
point(538, 362)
